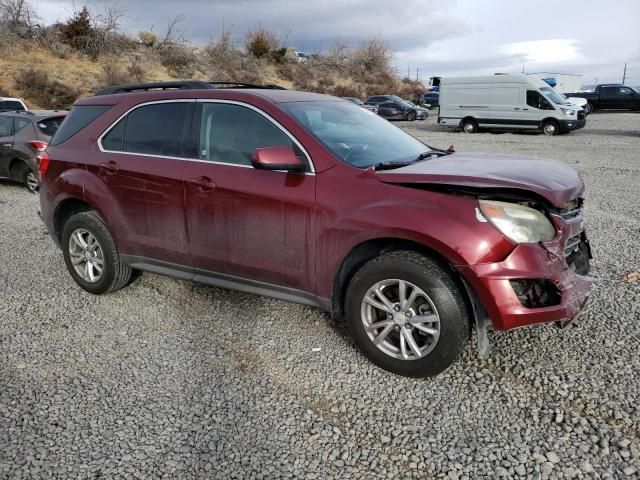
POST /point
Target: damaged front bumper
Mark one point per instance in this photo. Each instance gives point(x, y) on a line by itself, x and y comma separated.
point(536, 283)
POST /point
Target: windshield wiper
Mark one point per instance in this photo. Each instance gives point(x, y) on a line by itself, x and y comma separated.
point(434, 152)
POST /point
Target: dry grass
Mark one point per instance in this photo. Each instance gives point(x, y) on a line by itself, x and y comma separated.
point(358, 73)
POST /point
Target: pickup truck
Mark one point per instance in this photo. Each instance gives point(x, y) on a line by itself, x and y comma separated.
point(610, 97)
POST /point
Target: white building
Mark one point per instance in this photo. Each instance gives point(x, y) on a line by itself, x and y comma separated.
point(565, 82)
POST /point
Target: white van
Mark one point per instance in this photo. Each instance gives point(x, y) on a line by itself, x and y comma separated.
point(506, 102)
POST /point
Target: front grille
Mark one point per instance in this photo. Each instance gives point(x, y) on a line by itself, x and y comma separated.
point(572, 209)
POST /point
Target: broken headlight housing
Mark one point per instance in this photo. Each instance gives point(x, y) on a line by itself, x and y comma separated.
point(519, 223)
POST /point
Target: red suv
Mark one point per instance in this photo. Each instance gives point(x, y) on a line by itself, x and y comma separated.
point(312, 199)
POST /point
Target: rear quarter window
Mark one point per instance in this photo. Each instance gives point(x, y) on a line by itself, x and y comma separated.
point(49, 126)
point(78, 118)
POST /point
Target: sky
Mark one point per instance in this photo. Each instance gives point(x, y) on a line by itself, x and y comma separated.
point(428, 37)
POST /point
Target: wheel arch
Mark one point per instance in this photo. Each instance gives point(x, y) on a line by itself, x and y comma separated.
point(65, 210)
point(548, 119)
point(15, 165)
point(369, 249)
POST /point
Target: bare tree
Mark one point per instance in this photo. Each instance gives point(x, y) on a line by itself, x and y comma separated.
point(109, 19)
point(173, 35)
point(17, 14)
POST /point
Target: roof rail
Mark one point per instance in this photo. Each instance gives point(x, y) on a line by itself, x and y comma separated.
point(180, 85)
point(245, 85)
point(134, 87)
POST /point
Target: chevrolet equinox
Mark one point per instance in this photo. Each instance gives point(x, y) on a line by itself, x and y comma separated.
point(312, 199)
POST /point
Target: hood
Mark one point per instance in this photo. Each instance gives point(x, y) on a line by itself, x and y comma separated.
point(577, 101)
point(555, 181)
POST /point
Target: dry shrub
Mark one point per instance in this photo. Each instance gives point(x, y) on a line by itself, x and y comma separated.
point(372, 56)
point(136, 72)
point(36, 85)
point(347, 91)
point(148, 39)
point(261, 41)
point(114, 74)
point(410, 88)
point(179, 60)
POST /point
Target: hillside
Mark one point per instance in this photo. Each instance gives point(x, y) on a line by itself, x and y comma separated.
point(52, 66)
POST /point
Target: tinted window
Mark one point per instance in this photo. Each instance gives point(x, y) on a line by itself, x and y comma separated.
point(158, 129)
point(20, 123)
point(49, 126)
point(78, 118)
point(625, 91)
point(13, 105)
point(113, 140)
point(535, 100)
point(231, 133)
point(6, 126)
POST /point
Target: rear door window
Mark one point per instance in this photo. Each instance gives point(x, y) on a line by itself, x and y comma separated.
point(79, 117)
point(20, 123)
point(6, 126)
point(157, 129)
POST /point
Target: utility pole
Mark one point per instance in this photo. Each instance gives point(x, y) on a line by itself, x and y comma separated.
point(624, 73)
point(417, 74)
point(408, 71)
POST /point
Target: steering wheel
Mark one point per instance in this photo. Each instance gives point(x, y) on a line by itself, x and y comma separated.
point(355, 150)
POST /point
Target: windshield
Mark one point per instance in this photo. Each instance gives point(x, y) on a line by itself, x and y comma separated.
point(355, 135)
point(554, 96)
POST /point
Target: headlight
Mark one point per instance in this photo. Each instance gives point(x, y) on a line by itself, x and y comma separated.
point(566, 111)
point(518, 223)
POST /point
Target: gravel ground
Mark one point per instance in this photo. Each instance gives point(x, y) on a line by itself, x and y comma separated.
point(172, 379)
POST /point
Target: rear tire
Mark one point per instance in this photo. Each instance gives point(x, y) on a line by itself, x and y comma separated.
point(436, 319)
point(91, 255)
point(469, 125)
point(31, 181)
point(550, 128)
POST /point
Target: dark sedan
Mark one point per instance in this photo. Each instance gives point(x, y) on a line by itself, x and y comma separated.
point(23, 136)
point(360, 103)
point(402, 110)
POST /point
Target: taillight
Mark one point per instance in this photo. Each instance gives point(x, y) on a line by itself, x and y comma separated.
point(38, 145)
point(42, 161)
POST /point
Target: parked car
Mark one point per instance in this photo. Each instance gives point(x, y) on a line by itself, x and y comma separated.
point(506, 102)
point(14, 104)
point(610, 97)
point(311, 199)
point(24, 135)
point(357, 101)
point(432, 99)
point(378, 99)
point(402, 110)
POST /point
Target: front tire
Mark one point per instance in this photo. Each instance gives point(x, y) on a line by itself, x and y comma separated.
point(411, 116)
point(91, 255)
point(588, 108)
point(550, 128)
point(407, 314)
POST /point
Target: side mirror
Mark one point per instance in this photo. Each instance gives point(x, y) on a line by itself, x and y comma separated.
point(277, 158)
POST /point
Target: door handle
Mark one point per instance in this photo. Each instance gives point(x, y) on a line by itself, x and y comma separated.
point(110, 167)
point(517, 108)
point(525, 109)
point(204, 184)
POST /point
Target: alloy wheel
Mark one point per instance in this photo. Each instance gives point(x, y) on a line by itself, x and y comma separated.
point(400, 319)
point(32, 182)
point(86, 255)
